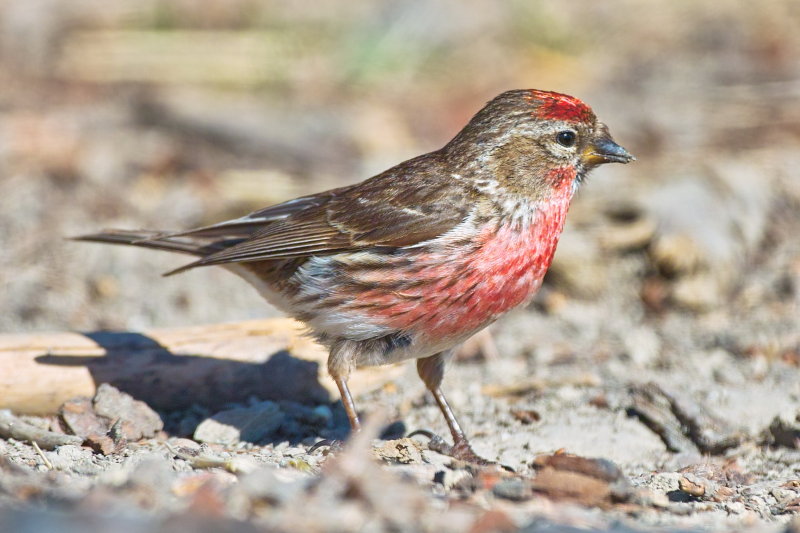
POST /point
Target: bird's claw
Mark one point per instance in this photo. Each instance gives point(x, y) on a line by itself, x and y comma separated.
point(435, 442)
point(461, 450)
point(333, 445)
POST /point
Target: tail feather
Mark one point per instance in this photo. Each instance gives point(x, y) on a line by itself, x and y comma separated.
point(159, 240)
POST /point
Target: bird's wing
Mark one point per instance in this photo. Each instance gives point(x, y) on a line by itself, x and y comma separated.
point(387, 211)
point(247, 225)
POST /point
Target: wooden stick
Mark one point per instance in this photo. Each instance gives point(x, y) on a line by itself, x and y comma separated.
point(173, 368)
point(12, 427)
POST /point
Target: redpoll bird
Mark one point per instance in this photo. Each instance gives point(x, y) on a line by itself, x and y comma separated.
point(410, 263)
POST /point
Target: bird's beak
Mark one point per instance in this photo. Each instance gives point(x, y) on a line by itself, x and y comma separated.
point(603, 149)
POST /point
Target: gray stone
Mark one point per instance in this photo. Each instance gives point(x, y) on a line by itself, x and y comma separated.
point(136, 419)
point(514, 489)
point(242, 424)
point(785, 429)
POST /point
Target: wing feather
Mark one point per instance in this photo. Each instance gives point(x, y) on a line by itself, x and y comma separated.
point(257, 221)
point(406, 205)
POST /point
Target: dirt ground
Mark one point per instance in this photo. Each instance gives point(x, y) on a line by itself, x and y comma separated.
point(665, 341)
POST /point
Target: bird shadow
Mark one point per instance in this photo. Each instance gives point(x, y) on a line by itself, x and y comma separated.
point(173, 384)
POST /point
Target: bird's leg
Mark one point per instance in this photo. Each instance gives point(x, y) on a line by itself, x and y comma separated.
point(339, 370)
point(431, 370)
point(352, 416)
point(461, 448)
point(348, 403)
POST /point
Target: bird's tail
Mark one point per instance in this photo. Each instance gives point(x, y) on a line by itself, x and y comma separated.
point(160, 240)
point(146, 239)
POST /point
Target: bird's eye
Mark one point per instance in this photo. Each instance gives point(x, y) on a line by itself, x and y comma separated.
point(566, 138)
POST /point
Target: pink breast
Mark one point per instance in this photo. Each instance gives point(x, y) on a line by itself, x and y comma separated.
point(452, 292)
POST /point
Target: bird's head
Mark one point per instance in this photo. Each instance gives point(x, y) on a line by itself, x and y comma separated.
point(532, 141)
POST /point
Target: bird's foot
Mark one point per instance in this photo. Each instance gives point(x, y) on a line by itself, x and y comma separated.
point(460, 450)
point(333, 445)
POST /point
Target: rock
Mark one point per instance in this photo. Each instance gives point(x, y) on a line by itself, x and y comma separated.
point(514, 489)
point(735, 508)
point(589, 481)
point(699, 292)
point(565, 485)
point(110, 419)
point(242, 424)
point(136, 420)
point(452, 478)
point(727, 473)
point(404, 451)
point(703, 488)
point(270, 486)
point(676, 254)
point(642, 345)
point(493, 521)
point(648, 498)
point(301, 420)
point(793, 507)
point(783, 496)
point(785, 430)
point(102, 444)
point(185, 445)
point(662, 482)
point(526, 416)
point(80, 418)
point(71, 458)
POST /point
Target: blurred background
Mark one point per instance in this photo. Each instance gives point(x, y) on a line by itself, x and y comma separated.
point(170, 114)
